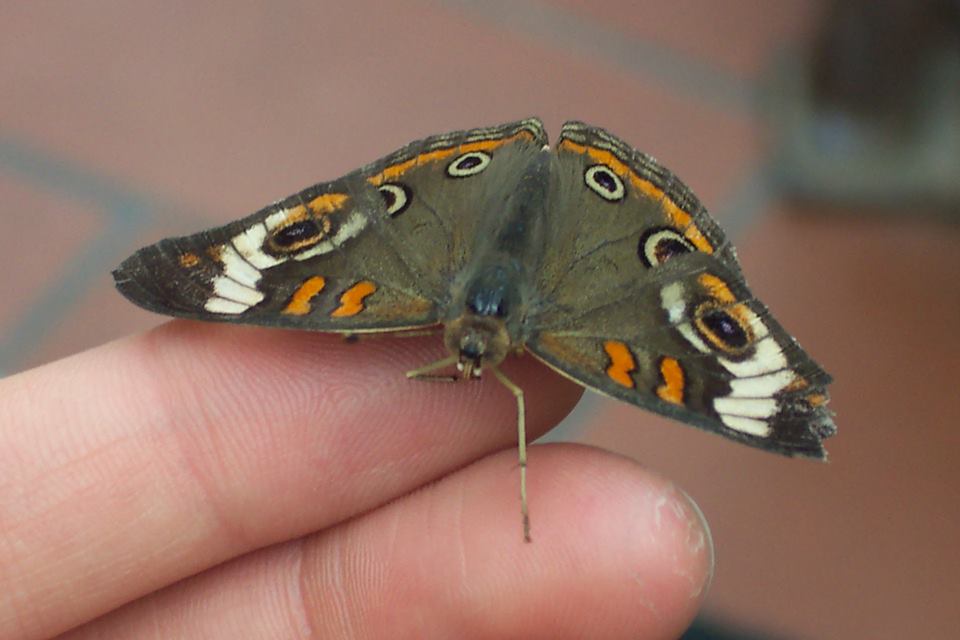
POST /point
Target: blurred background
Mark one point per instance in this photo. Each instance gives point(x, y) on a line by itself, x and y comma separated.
point(824, 136)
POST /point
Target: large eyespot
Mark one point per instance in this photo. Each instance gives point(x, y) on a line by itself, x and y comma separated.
point(469, 164)
point(726, 329)
point(301, 234)
point(660, 244)
point(396, 197)
point(604, 182)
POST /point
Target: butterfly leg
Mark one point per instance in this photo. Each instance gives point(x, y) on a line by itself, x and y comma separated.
point(426, 372)
point(521, 447)
point(414, 333)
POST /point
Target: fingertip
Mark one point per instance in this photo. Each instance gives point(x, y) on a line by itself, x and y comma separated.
point(337, 413)
point(251, 362)
point(236, 437)
point(643, 546)
point(616, 551)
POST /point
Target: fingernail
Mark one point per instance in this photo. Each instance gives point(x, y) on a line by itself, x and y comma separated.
point(700, 539)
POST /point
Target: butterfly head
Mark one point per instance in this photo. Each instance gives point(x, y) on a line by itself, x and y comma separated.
point(477, 341)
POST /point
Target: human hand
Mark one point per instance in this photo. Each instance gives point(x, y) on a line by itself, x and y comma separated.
point(202, 481)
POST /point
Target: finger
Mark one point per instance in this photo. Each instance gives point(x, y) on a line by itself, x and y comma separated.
point(131, 466)
point(618, 553)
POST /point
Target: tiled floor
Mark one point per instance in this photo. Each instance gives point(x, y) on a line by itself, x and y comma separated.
point(122, 123)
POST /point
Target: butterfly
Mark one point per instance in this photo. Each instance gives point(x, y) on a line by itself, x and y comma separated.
point(589, 255)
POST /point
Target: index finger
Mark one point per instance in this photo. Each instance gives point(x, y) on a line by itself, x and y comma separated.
point(133, 465)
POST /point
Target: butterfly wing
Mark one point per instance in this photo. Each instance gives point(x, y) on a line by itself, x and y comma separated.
point(642, 298)
point(372, 251)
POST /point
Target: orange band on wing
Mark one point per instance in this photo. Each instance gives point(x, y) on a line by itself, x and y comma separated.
point(673, 381)
point(621, 363)
point(817, 399)
point(293, 214)
point(395, 171)
point(299, 304)
point(681, 219)
point(319, 206)
point(717, 288)
point(351, 302)
point(189, 260)
point(327, 202)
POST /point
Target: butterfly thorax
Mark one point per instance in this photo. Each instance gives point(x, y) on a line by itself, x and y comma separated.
point(490, 294)
point(487, 320)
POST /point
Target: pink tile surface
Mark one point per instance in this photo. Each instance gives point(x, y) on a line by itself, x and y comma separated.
point(225, 109)
point(210, 110)
point(733, 35)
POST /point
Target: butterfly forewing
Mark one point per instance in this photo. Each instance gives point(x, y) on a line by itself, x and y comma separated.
point(337, 256)
point(450, 185)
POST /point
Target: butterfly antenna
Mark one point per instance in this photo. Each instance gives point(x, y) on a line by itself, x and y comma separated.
point(521, 447)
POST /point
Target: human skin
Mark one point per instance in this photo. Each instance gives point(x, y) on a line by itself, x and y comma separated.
point(216, 481)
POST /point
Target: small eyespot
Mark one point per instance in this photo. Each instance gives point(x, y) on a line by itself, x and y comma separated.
point(723, 329)
point(396, 197)
point(661, 244)
point(469, 164)
point(604, 182)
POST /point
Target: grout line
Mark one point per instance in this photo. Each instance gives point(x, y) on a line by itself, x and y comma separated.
point(45, 314)
point(749, 201)
point(126, 211)
point(675, 70)
point(54, 174)
point(61, 176)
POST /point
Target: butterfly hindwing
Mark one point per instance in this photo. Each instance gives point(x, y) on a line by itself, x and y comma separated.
point(643, 300)
point(335, 256)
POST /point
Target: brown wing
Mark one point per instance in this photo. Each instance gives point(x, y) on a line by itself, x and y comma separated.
point(644, 301)
point(375, 250)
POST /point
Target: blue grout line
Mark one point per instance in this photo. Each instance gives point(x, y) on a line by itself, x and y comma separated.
point(126, 211)
point(45, 314)
point(749, 201)
point(673, 69)
point(53, 174)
